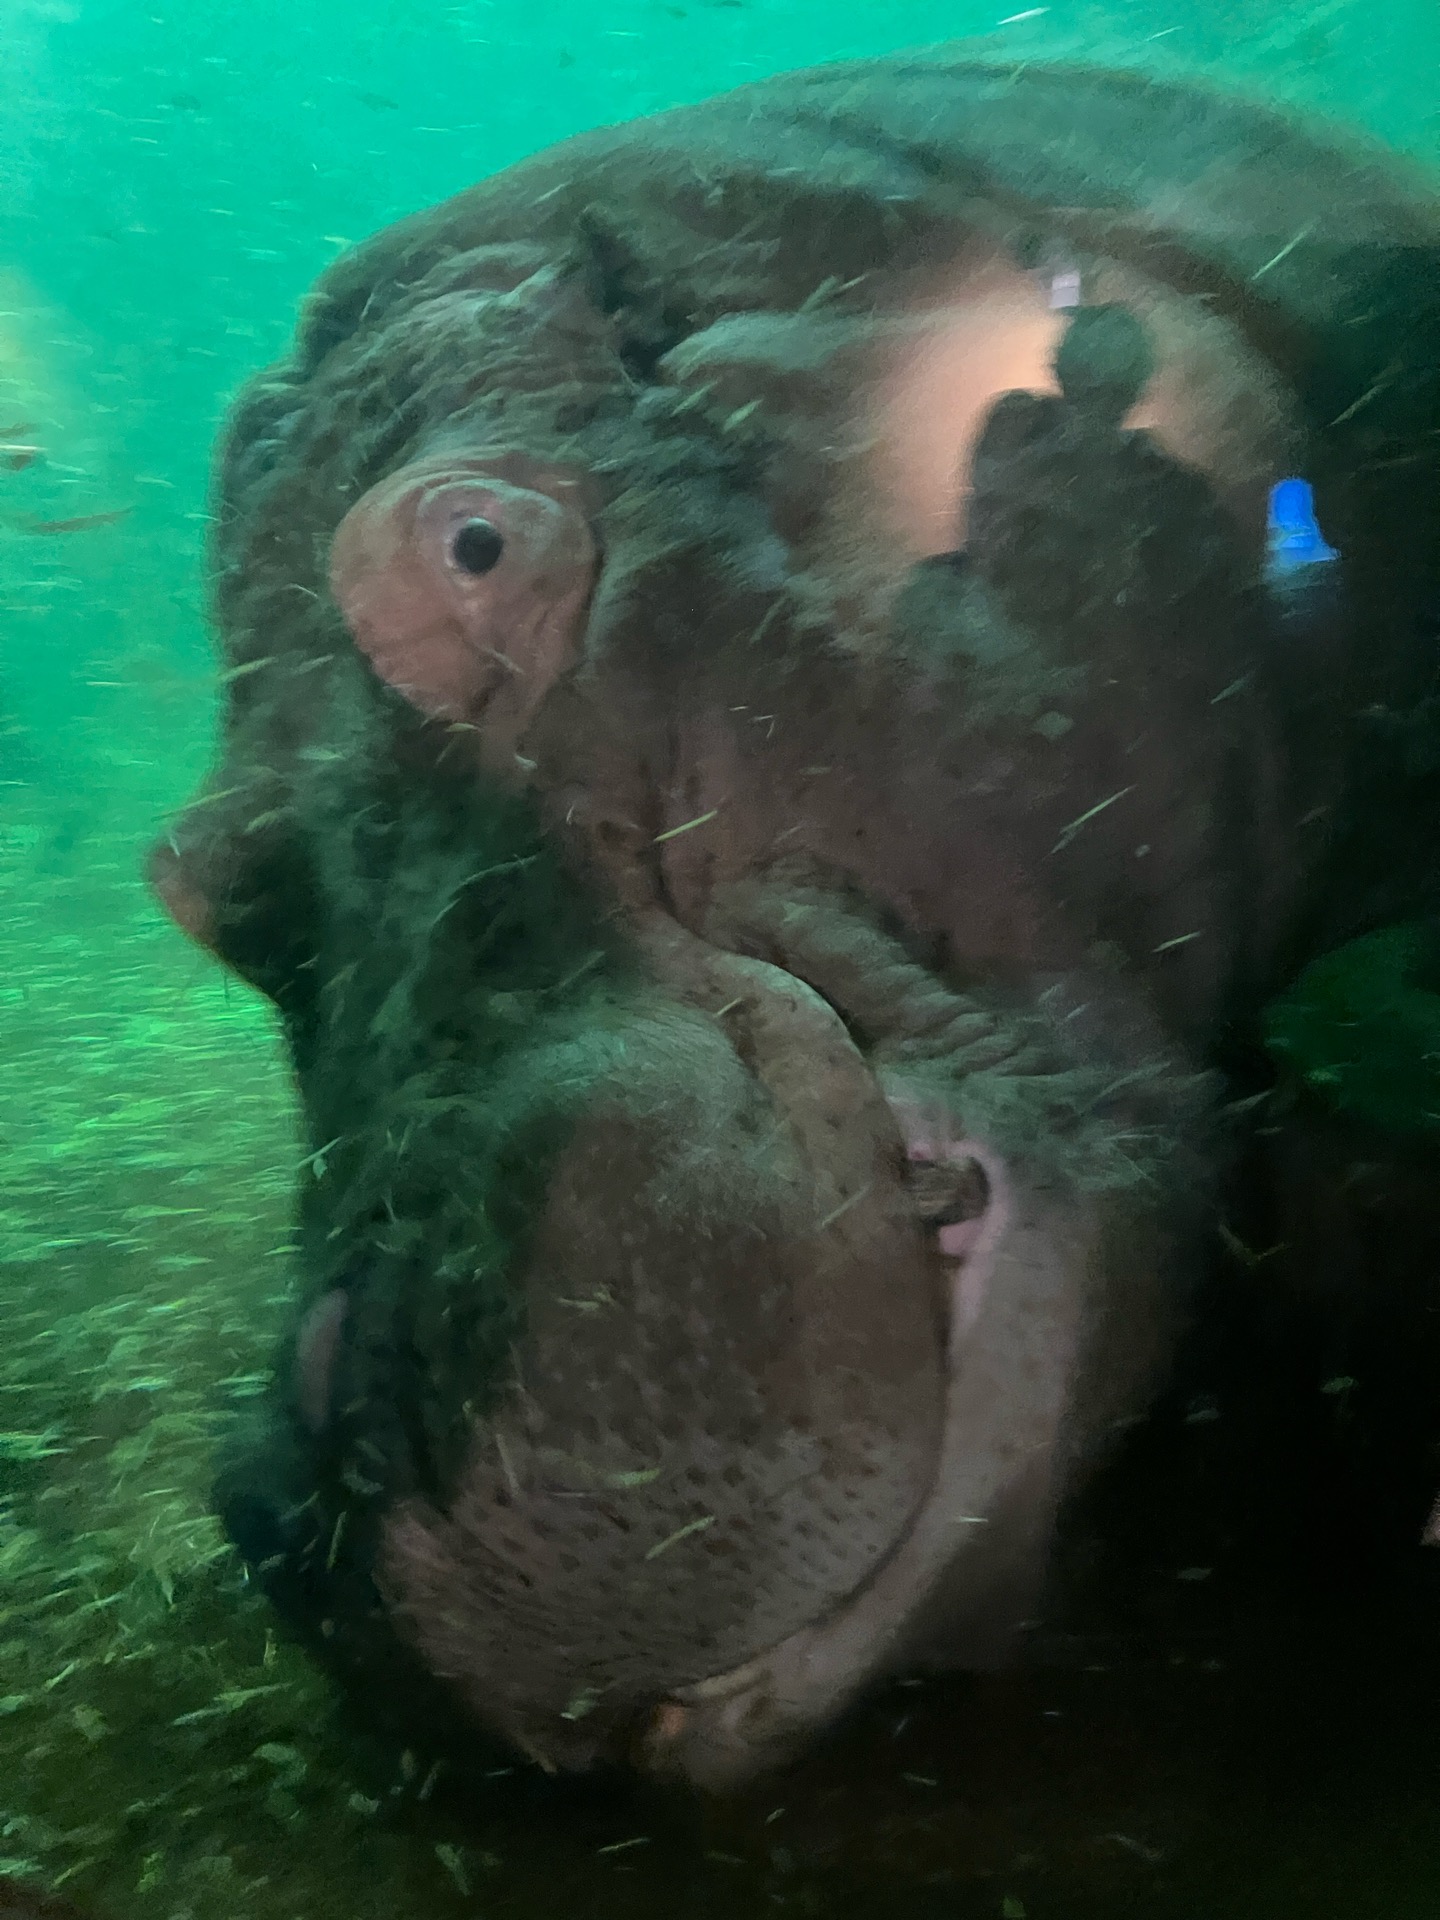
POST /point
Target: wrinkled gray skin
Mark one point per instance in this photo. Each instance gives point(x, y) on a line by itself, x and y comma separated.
point(759, 980)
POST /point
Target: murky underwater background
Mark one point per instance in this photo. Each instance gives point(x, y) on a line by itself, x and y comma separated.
point(171, 178)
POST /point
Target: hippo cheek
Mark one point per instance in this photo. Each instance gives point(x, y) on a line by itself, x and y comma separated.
point(467, 588)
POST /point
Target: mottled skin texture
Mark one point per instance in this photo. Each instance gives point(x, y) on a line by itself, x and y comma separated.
point(656, 912)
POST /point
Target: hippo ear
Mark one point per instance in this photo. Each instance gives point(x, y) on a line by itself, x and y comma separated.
point(620, 282)
point(466, 582)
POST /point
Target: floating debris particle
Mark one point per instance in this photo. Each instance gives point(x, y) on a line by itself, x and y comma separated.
point(699, 821)
point(680, 1533)
point(1152, 1856)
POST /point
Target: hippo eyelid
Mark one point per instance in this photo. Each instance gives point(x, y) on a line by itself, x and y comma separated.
point(467, 585)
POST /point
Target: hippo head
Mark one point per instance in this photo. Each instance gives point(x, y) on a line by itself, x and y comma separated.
point(752, 777)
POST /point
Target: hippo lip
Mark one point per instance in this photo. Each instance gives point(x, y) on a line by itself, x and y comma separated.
point(726, 1728)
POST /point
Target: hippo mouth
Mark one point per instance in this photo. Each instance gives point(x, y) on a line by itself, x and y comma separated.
point(678, 1536)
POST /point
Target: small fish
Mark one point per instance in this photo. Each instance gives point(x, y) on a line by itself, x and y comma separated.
point(82, 523)
point(16, 428)
point(379, 102)
point(14, 459)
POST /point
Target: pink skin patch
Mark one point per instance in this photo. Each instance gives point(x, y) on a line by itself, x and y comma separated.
point(969, 1243)
point(316, 1345)
point(466, 582)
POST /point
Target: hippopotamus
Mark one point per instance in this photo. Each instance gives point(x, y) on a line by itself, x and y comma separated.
point(772, 759)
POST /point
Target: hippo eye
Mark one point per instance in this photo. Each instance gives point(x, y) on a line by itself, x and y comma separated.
point(477, 547)
point(468, 592)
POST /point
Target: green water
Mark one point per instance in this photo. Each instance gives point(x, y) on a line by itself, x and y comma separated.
point(171, 178)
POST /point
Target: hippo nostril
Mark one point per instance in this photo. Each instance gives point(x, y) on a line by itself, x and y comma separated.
point(477, 547)
point(947, 1192)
